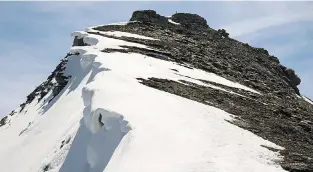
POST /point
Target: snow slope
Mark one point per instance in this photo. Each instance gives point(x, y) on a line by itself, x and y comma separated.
point(106, 121)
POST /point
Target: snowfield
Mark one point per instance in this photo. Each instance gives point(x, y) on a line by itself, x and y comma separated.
point(171, 21)
point(106, 121)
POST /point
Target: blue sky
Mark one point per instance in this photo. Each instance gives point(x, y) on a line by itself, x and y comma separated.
point(36, 35)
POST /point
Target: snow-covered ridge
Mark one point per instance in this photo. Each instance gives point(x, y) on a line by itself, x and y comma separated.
point(150, 67)
point(126, 34)
point(118, 23)
point(116, 33)
point(97, 95)
point(106, 120)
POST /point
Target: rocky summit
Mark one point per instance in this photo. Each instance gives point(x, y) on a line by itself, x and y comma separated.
point(275, 111)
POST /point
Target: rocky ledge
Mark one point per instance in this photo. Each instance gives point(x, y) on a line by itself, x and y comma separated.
point(54, 83)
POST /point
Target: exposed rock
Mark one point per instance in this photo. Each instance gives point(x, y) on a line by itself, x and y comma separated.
point(78, 41)
point(3, 121)
point(46, 167)
point(202, 48)
point(306, 125)
point(148, 16)
point(12, 113)
point(297, 167)
point(61, 79)
point(294, 80)
point(274, 59)
point(55, 83)
point(276, 114)
point(22, 106)
point(260, 115)
point(262, 50)
point(190, 21)
point(223, 33)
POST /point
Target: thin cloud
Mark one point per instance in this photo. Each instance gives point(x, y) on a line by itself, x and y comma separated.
point(250, 26)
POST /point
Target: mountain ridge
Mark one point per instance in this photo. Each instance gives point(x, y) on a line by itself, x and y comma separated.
point(275, 111)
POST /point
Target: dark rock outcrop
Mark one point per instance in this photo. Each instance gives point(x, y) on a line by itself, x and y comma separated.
point(3, 121)
point(148, 16)
point(274, 59)
point(292, 78)
point(190, 21)
point(223, 33)
point(78, 41)
point(12, 113)
point(55, 83)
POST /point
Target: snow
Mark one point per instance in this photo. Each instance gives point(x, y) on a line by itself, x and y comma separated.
point(88, 29)
point(171, 21)
point(194, 138)
point(108, 122)
point(118, 23)
point(98, 137)
point(154, 66)
point(79, 34)
point(99, 43)
point(120, 34)
point(126, 34)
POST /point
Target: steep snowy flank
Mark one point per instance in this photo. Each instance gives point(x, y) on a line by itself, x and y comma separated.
point(119, 102)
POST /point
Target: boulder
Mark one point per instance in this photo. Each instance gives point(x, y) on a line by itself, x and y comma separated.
point(190, 21)
point(148, 16)
point(294, 79)
point(223, 33)
point(262, 50)
point(274, 59)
